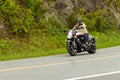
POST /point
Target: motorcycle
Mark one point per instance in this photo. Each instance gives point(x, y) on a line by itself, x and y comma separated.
point(75, 43)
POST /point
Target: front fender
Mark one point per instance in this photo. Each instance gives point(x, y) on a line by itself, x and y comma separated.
point(68, 40)
point(69, 35)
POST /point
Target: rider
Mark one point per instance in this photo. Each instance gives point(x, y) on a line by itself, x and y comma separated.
point(81, 27)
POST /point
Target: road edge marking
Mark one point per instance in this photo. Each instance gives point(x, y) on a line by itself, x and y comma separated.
point(94, 76)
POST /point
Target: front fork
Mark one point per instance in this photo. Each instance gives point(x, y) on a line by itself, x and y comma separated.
point(81, 46)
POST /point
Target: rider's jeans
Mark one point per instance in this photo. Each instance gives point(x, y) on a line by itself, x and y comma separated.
point(86, 37)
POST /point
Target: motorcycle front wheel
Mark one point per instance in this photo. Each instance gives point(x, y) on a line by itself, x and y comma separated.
point(72, 48)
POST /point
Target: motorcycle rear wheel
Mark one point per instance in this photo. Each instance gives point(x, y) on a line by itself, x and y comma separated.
point(93, 49)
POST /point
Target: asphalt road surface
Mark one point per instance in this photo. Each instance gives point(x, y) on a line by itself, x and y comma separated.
point(104, 65)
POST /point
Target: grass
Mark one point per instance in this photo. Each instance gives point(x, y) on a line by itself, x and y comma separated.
point(108, 39)
point(36, 53)
point(40, 45)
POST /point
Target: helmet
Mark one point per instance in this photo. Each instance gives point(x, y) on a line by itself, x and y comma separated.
point(79, 20)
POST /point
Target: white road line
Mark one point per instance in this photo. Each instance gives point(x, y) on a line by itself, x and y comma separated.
point(93, 76)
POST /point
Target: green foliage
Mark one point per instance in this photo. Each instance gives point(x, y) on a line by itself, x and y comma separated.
point(3, 44)
point(100, 20)
point(118, 3)
point(33, 33)
point(37, 8)
point(17, 20)
point(28, 22)
point(30, 3)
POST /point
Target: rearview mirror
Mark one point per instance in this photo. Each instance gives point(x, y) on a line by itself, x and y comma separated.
point(65, 31)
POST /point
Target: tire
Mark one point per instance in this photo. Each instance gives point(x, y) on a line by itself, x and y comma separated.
point(92, 49)
point(70, 48)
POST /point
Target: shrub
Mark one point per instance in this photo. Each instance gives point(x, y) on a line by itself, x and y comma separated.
point(99, 20)
point(31, 4)
point(17, 20)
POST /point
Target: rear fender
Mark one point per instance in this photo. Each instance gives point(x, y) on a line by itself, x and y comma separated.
point(91, 38)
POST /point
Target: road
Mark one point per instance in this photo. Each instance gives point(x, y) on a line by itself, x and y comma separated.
point(104, 65)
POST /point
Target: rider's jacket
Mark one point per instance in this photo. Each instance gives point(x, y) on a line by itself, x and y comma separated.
point(82, 28)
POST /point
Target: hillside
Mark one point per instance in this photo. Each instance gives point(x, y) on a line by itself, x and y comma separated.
point(83, 7)
point(31, 28)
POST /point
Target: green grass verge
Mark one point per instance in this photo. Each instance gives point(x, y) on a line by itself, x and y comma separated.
point(108, 39)
point(52, 45)
point(36, 53)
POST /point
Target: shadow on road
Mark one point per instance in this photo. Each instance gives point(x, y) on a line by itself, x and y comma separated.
point(79, 54)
